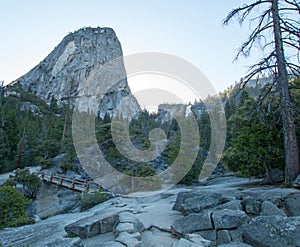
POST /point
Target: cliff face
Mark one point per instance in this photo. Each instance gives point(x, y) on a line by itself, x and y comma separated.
point(64, 71)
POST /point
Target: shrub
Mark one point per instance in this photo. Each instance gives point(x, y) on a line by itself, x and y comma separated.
point(30, 182)
point(89, 200)
point(12, 208)
point(143, 178)
point(66, 164)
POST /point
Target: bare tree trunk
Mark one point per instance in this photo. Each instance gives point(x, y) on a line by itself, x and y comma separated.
point(65, 126)
point(20, 151)
point(290, 139)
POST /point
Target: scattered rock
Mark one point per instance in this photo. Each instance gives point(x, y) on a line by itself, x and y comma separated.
point(149, 221)
point(130, 239)
point(156, 238)
point(268, 209)
point(210, 235)
point(228, 219)
point(193, 223)
point(92, 226)
point(186, 243)
point(198, 239)
point(273, 231)
point(124, 227)
point(65, 242)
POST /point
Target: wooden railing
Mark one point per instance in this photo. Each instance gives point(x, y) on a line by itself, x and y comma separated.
point(75, 184)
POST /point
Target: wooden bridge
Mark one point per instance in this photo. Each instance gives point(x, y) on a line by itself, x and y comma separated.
point(75, 184)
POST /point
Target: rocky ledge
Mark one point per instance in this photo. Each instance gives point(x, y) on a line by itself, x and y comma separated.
point(225, 212)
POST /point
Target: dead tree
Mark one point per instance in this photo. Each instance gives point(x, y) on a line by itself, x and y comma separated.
point(277, 33)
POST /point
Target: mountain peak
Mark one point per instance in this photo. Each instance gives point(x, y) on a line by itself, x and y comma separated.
point(62, 73)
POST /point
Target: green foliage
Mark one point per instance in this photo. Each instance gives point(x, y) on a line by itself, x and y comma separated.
point(139, 129)
point(66, 164)
point(4, 150)
point(194, 172)
point(141, 177)
point(254, 150)
point(12, 208)
point(44, 163)
point(255, 139)
point(30, 182)
point(43, 130)
point(70, 235)
point(89, 200)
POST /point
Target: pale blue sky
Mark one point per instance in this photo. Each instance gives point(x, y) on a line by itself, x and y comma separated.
point(191, 29)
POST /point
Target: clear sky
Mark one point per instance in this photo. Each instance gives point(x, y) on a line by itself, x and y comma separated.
point(190, 29)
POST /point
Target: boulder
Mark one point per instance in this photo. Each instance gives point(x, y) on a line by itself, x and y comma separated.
point(192, 223)
point(292, 204)
point(273, 194)
point(252, 205)
point(233, 205)
point(124, 227)
point(128, 222)
point(276, 175)
point(92, 226)
point(223, 237)
point(268, 208)
point(236, 235)
point(130, 239)
point(195, 202)
point(228, 219)
point(273, 231)
point(296, 183)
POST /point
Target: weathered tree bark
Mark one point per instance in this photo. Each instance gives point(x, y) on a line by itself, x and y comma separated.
point(292, 168)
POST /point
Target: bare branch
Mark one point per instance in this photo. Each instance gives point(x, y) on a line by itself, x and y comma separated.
point(290, 44)
point(288, 27)
point(266, 91)
point(288, 9)
point(295, 69)
point(293, 3)
point(245, 10)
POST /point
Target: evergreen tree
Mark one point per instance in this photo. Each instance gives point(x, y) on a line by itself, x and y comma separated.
point(12, 208)
point(4, 151)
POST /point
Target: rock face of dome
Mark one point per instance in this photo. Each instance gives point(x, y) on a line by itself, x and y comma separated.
point(63, 74)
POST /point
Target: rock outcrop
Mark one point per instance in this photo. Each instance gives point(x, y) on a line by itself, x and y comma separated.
point(238, 216)
point(150, 220)
point(62, 75)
